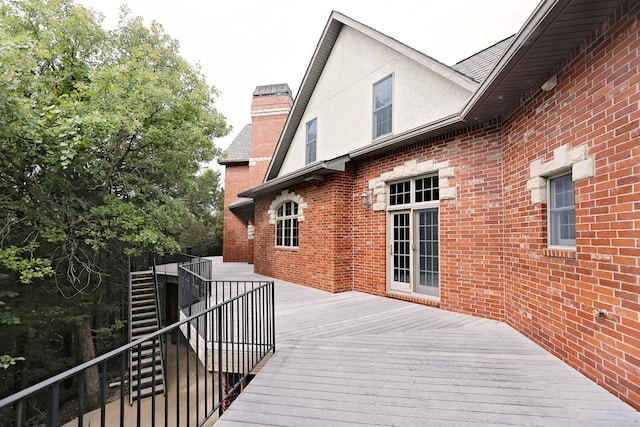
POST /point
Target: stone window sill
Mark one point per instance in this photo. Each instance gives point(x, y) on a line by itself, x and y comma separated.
point(559, 253)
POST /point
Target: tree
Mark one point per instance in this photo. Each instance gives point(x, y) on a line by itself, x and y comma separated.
point(205, 199)
point(101, 134)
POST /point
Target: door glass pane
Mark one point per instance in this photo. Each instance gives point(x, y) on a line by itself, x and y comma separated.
point(401, 247)
point(427, 262)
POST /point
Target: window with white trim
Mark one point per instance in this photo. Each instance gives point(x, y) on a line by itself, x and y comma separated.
point(287, 225)
point(312, 136)
point(562, 211)
point(383, 107)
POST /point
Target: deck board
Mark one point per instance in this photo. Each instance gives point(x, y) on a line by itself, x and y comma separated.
point(354, 359)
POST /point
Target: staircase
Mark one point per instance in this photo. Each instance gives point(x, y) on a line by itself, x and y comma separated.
point(144, 319)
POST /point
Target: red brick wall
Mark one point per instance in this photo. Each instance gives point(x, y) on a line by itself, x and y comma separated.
point(323, 259)
point(493, 239)
point(266, 129)
point(234, 247)
point(265, 132)
point(470, 226)
point(595, 103)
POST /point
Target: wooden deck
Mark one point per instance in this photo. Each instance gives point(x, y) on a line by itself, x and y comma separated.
point(354, 359)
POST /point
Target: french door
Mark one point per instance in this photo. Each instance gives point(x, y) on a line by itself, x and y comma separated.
point(427, 250)
point(413, 251)
point(400, 251)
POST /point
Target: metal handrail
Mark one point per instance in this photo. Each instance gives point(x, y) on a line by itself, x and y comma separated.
point(259, 340)
point(163, 340)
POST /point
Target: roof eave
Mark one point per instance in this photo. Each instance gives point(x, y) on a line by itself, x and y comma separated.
point(449, 123)
point(311, 173)
point(530, 60)
point(505, 63)
point(233, 162)
point(242, 207)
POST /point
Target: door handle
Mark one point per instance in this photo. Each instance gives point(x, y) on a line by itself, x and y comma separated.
point(391, 249)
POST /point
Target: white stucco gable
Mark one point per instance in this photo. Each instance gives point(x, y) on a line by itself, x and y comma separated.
point(337, 91)
point(342, 102)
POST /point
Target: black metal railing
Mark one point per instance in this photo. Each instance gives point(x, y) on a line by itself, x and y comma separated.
point(229, 340)
point(165, 263)
point(156, 288)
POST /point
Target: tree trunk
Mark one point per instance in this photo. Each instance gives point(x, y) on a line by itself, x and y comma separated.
point(88, 352)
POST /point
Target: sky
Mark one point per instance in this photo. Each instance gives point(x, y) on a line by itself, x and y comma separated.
point(241, 44)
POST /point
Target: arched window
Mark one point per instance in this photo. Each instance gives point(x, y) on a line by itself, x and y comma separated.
point(287, 225)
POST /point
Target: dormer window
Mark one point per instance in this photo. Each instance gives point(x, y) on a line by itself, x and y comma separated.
point(382, 107)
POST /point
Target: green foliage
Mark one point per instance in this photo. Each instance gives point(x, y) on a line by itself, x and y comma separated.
point(8, 318)
point(102, 134)
point(205, 200)
point(110, 336)
point(6, 360)
point(12, 258)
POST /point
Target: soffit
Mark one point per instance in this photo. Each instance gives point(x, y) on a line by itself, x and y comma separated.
point(555, 29)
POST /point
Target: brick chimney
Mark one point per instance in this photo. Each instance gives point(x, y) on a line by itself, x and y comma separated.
point(269, 110)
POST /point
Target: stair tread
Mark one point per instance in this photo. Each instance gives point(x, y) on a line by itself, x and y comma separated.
point(146, 348)
point(141, 302)
point(147, 370)
point(145, 357)
point(143, 314)
point(143, 295)
point(148, 391)
point(139, 325)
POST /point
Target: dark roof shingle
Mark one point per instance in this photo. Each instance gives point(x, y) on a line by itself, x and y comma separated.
point(240, 148)
point(479, 65)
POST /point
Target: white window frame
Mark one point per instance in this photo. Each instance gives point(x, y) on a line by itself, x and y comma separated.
point(410, 207)
point(383, 107)
point(553, 239)
point(293, 225)
point(308, 152)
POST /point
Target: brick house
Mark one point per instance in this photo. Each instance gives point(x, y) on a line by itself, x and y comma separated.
point(506, 186)
point(246, 162)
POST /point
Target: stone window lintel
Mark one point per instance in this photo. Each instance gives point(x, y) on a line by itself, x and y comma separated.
point(284, 197)
point(411, 169)
point(575, 159)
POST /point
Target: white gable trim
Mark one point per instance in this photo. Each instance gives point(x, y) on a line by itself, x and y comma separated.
point(314, 71)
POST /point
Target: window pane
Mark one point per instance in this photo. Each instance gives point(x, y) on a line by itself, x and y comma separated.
point(312, 129)
point(279, 233)
point(426, 189)
point(382, 93)
point(287, 225)
point(382, 107)
point(562, 212)
point(400, 193)
point(294, 232)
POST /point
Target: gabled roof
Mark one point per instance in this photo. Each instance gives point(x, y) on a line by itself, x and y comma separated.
point(551, 33)
point(478, 65)
point(239, 150)
point(319, 60)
